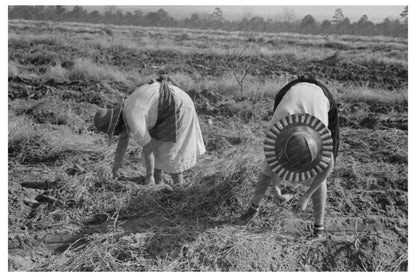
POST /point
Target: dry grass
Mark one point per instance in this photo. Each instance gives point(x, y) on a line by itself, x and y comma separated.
point(364, 94)
point(158, 224)
point(85, 69)
point(57, 72)
point(305, 47)
point(103, 224)
point(27, 143)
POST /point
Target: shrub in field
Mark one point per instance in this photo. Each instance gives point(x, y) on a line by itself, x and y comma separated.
point(85, 69)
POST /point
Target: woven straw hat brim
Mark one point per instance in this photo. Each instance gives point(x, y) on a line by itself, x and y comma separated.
point(283, 129)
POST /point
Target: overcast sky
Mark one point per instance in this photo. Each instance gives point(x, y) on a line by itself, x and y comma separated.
point(233, 12)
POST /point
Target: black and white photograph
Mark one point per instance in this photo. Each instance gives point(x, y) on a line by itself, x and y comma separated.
point(214, 137)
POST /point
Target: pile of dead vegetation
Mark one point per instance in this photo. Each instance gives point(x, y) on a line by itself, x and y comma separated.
point(157, 224)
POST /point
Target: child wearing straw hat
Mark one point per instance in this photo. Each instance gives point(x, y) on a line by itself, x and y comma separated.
point(301, 146)
point(161, 118)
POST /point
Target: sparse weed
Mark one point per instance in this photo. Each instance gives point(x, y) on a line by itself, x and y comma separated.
point(57, 72)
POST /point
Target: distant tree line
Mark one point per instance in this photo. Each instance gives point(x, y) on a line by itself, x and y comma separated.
point(339, 24)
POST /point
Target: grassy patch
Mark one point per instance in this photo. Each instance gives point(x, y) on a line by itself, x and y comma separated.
point(364, 94)
point(85, 69)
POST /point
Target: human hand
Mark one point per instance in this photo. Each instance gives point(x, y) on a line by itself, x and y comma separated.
point(303, 202)
point(282, 199)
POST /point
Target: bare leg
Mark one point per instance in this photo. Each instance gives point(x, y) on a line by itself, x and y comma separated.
point(177, 178)
point(319, 203)
point(263, 183)
point(319, 199)
point(158, 176)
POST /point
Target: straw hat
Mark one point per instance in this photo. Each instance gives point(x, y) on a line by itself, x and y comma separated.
point(105, 120)
point(298, 147)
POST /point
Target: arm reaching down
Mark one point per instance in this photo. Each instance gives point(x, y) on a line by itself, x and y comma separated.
point(303, 201)
point(123, 142)
point(149, 159)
